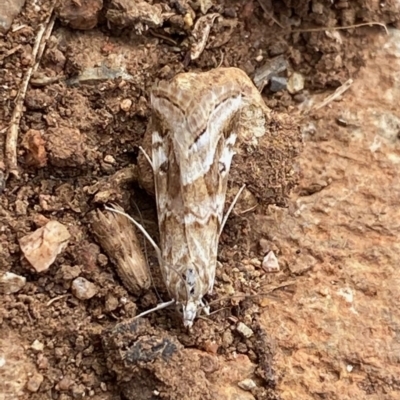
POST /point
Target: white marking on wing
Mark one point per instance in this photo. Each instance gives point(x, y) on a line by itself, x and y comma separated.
point(228, 153)
point(159, 154)
point(201, 154)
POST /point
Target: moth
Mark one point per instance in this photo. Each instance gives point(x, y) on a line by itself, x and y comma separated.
point(193, 131)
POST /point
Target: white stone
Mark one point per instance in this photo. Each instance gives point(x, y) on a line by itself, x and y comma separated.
point(270, 263)
point(11, 283)
point(37, 346)
point(295, 83)
point(244, 330)
point(247, 384)
point(83, 289)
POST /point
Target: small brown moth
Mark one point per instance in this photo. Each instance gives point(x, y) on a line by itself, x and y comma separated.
point(194, 130)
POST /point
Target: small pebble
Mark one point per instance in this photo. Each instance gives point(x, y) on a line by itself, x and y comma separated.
point(34, 382)
point(70, 272)
point(211, 347)
point(247, 384)
point(299, 97)
point(83, 289)
point(270, 263)
point(278, 83)
point(109, 159)
point(317, 8)
point(295, 83)
point(126, 105)
point(349, 368)
point(227, 338)
point(64, 384)
point(230, 12)
point(278, 48)
point(37, 346)
point(244, 330)
point(11, 283)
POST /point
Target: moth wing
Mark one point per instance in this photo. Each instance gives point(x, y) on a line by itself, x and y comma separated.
point(193, 146)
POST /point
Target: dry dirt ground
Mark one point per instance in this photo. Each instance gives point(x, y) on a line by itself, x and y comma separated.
point(326, 326)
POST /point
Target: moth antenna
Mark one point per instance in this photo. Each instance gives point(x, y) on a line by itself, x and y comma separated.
point(140, 227)
point(156, 308)
point(247, 296)
point(145, 253)
point(147, 157)
point(230, 209)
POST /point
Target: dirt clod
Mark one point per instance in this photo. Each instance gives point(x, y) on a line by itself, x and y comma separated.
point(65, 147)
point(82, 15)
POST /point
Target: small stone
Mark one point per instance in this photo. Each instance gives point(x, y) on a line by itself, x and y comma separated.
point(42, 362)
point(295, 83)
point(227, 338)
point(244, 330)
point(66, 147)
point(270, 263)
point(102, 259)
point(34, 382)
point(211, 347)
point(349, 368)
point(299, 97)
point(82, 14)
point(112, 303)
point(317, 8)
point(11, 283)
point(247, 384)
point(83, 289)
point(109, 159)
point(34, 145)
point(9, 10)
point(78, 391)
point(165, 72)
point(265, 245)
point(68, 273)
point(278, 48)
point(42, 247)
point(259, 58)
point(64, 384)
point(278, 83)
point(126, 105)
point(37, 346)
point(230, 12)
point(134, 14)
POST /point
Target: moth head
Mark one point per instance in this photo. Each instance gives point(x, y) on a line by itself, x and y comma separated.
point(189, 311)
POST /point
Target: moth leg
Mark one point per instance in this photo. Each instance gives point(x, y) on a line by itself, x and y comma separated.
point(147, 157)
point(205, 307)
point(231, 208)
point(156, 308)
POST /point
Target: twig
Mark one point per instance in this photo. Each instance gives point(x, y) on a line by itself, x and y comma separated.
point(12, 134)
point(54, 299)
point(337, 93)
point(268, 14)
point(163, 37)
point(254, 296)
point(337, 28)
point(10, 52)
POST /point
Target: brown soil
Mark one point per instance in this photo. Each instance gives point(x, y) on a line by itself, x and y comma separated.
point(335, 240)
